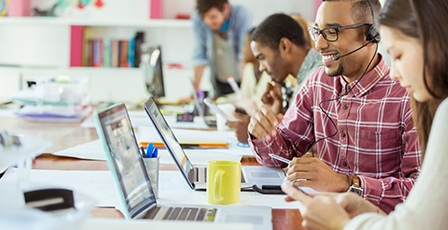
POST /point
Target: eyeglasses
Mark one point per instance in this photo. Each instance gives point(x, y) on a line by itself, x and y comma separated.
point(331, 34)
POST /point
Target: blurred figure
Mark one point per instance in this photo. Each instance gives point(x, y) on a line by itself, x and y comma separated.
point(253, 81)
point(219, 30)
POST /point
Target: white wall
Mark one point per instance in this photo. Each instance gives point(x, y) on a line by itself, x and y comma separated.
point(259, 8)
point(46, 49)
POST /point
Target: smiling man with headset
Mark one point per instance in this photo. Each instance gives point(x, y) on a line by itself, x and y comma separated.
point(358, 118)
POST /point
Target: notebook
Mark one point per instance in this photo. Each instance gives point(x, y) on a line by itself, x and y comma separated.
point(126, 164)
point(195, 176)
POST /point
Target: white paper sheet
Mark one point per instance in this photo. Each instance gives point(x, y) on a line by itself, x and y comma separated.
point(97, 184)
point(8, 112)
point(30, 148)
point(140, 118)
point(149, 134)
point(94, 151)
point(173, 189)
point(120, 224)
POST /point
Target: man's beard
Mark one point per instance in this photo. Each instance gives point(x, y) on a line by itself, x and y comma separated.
point(337, 72)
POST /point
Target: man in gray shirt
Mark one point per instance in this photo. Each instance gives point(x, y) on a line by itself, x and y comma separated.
point(219, 32)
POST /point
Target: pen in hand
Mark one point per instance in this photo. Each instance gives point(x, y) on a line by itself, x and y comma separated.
point(279, 158)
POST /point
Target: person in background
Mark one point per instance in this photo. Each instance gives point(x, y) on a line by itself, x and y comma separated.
point(279, 43)
point(351, 110)
point(253, 81)
point(305, 25)
point(415, 40)
point(282, 40)
point(219, 30)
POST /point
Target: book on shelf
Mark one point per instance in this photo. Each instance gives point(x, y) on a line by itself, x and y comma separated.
point(131, 52)
point(104, 52)
point(107, 55)
point(124, 45)
point(114, 51)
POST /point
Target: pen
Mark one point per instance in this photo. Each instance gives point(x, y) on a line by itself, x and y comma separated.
point(234, 86)
point(143, 151)
point(151, 151)
point(279, 158)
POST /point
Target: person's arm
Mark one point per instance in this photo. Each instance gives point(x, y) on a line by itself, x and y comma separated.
point(425, 207)
point(294, 135)
point(389, 191)
point(198, 71)
point(199, 49)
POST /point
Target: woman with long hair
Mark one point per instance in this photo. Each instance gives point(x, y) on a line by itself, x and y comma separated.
point(415, 38)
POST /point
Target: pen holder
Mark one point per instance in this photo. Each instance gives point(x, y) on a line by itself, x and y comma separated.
point(152, 168)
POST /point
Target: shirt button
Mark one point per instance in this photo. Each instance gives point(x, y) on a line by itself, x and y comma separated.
point(343, 134)
point(345, 107)
point(344, 164)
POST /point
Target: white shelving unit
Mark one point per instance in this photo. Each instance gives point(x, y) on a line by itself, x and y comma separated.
point(53, 21)
point(37, 47)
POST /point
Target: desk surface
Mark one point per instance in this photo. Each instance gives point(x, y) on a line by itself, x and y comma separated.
point(65, 135)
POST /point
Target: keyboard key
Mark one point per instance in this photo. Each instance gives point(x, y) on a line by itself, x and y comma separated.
point(168, 212)
point(152, 213)
point(201, 214)
point(174, 213)
point(183, 214)
point(193, 213)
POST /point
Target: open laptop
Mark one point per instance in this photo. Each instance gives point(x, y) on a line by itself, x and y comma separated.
point(196, 175)
point(126, 164)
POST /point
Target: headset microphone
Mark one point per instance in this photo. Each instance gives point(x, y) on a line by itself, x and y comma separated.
point(337, 57)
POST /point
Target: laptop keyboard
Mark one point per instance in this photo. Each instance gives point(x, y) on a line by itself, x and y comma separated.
point(182, 214)
point(199, 171)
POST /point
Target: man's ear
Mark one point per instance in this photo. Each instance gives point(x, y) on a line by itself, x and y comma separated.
point(226, 8)
point(284, 46)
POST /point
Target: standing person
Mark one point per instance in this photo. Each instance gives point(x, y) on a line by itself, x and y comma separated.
point(219, 30)
point(362, 126)
point(415, 41)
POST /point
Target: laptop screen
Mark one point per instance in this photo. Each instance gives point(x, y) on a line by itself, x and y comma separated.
point(126, 159)
point(169, 139)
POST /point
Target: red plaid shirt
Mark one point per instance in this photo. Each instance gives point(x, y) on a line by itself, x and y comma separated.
point(376, 139)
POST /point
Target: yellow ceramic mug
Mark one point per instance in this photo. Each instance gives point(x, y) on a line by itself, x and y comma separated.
point(223, 182)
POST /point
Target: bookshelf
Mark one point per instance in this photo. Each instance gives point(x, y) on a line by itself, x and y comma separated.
point(53, 21)
point(37, 47)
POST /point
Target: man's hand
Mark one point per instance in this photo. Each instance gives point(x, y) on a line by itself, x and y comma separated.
point(318, 175)
point(240, 127)
point(263, 123)
point(273, 97)
point(247, 103)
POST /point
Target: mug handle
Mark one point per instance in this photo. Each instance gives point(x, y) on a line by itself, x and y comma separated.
point(218, 185)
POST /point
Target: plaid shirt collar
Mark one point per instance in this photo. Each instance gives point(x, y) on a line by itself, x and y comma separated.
point(369, 80)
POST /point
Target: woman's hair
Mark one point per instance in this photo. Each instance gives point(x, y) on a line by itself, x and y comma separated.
point(423, 20)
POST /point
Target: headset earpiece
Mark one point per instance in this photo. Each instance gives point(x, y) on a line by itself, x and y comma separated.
point(372, 34)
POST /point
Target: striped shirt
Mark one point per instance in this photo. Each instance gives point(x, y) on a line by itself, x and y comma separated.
point(375, 137)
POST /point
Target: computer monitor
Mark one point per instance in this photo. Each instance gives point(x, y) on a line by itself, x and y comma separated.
point(151, 63)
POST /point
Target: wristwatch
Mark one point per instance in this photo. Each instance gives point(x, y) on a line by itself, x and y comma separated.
point(355, 185)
